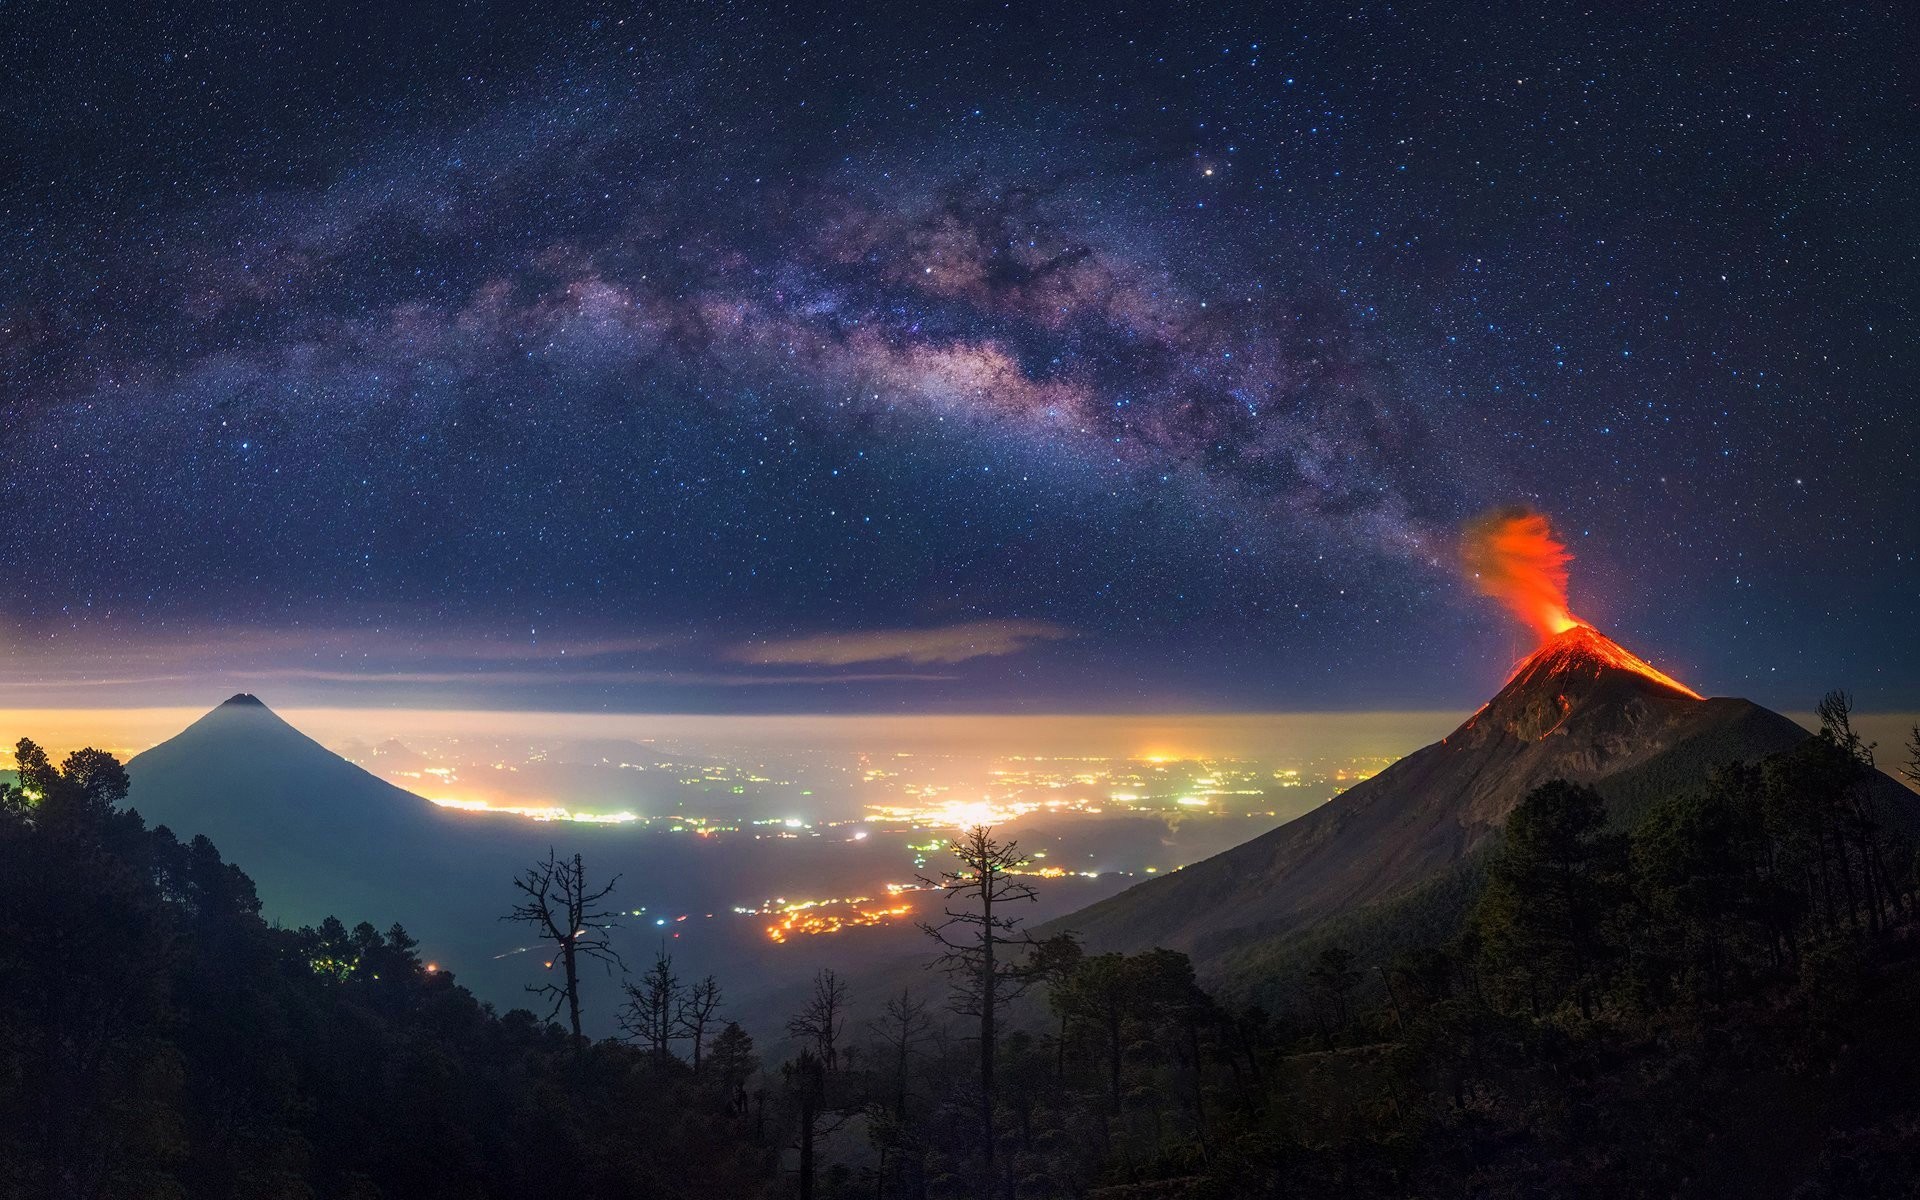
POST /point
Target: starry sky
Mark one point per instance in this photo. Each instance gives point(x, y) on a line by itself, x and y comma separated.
point(881, 357)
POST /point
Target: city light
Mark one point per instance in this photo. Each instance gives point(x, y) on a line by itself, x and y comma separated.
point(536, 812)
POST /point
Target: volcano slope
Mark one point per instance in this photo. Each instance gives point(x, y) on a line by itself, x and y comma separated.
point(318, 834)
point(1580, 708)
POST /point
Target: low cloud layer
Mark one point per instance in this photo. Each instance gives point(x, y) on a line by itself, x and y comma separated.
point(943, 644)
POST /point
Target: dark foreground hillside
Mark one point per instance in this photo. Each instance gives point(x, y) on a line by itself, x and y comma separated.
point(1716, 1000)
point(158, 1040)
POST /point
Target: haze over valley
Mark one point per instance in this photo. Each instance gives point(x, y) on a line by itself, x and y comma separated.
point(774, 845)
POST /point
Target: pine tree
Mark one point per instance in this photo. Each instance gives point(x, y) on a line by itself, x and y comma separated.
point(1543, 919)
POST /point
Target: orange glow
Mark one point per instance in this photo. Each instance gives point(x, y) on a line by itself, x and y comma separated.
point(1584, 648)
point(812, 917)
point(538, 812)
point(954, 814)
point(122, 732)
point(1514, 557)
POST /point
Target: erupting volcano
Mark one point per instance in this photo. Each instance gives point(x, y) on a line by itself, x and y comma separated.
point(1513, 556)
point(1580, 707)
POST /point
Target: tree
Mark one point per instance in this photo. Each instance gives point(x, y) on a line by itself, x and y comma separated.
point(1053, 962)
point(92, 779)
point(652, 1013)
point(159, 1039)
point(1860, 822)
point(563, 908)
point(88, 954)
point(697, 1012)
point(1835, 711)
point(820, 1022)
point(902, 1028)
point(80, 794)
point(1820, 807)
point(36, 773)
point(1135, 1010)
point(1095, 998)
point(1550, 890)
point(805, 1080)
point(1332, 981)
point(1705, 877)
point(732, 1063)
point(973, 940)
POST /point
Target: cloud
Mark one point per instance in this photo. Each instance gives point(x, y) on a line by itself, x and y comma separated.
point(944, 644)
point(415, 641)
point(116, 657)
point(691, 678)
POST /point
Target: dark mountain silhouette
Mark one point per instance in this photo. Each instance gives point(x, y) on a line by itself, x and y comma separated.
point(320, 835)
point(1580, 708)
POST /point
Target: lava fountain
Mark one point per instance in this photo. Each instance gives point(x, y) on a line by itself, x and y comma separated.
point(1513, 556)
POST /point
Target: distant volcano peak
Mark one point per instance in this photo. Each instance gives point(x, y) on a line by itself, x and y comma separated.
point(1585, 653)
point(242, 700)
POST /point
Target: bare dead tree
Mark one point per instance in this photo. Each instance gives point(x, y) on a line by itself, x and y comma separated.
point(976, 939)
point(651, 1015)
point(563, 908)
point(696, 1013)
point(820, 1022)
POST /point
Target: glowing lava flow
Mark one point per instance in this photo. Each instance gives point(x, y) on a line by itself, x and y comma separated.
point(1514, 557)
point(1584, 648)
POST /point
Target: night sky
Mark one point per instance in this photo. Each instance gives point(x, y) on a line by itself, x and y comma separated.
point(945, 356)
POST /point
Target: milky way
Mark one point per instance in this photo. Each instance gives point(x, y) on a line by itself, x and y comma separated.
point(1059, 358)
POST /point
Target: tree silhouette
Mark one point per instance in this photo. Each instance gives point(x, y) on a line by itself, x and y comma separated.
point(1706, 874)
point(158, 1038)
point(651, 1015)
point(696, 1013)
point(974, 939)
point(1549, 892)
point(902, 1028)
point(563, 908)
point(1052, 962)
point(819, 1023)
point(1859, 823)
point(732, 1063)
point(1332, 981)
point(805, 1080)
